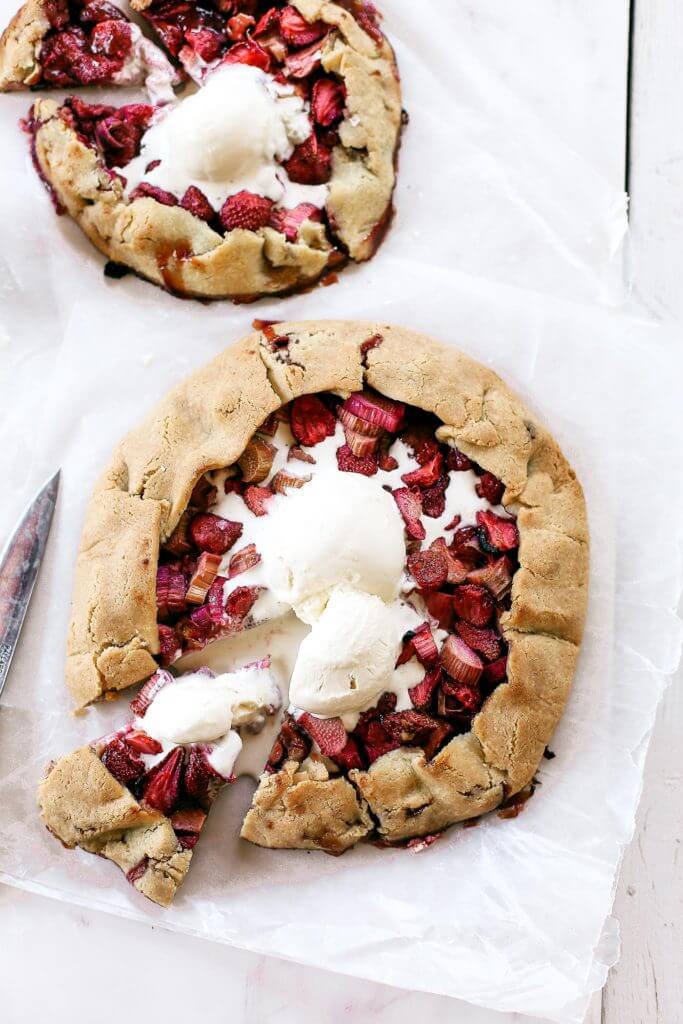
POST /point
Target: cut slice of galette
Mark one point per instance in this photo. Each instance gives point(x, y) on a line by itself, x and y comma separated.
point(67, 43)
point(279, 168)
point(140, 796)
point(399, 501)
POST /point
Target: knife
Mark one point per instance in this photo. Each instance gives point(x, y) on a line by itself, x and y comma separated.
point(19, 565)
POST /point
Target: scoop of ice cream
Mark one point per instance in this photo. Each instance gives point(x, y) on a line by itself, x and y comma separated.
point(340, 529)
point(348, 658)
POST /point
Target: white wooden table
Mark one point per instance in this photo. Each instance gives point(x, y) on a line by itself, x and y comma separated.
point(55, 961)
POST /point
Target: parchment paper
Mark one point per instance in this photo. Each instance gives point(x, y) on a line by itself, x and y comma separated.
point(512, 915)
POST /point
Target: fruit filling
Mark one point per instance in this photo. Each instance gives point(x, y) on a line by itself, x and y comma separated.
point(180, 748)
point(392, 546)
point(94, 43)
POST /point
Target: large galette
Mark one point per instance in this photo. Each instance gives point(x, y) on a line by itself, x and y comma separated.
point(395, 503)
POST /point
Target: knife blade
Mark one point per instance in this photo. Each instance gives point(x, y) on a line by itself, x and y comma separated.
point(19, 565)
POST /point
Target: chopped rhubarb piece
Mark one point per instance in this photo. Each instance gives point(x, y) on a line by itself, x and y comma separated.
point(427, 475)
point(143, 743)
point(457, 462)
point(201, 778)
point(187, 824)
point(495, 672)
point(349, 757)
point(249, 53)
point(460, 662)
point(256, 460)
point(257, 500)
point(327, 101)
point(428, 568)
point(440, 607)
point(247, 211)
point(497, 534)
point(195, 202)
point(138, 871)
point(302, 63)
point(243, 560)
point(328, 733)
point(376, 409)
point(311, 420)
point(180, 542)
point(297, 31)
point(434, 499)
point(202, 578)
point(288, 222)
point(486, 641)
point(214, 534)
point(474, 604)
point(467, 694)
point(424, 645)
point(310, 163)
point(292, 744)
point(354, 423)
point(367, 346)
point(239, 25)
point(410, 507)
point(124, 763)
point(496, 577)
point(360, 444)
point(161, 786)
point(282, 481)
point(347, 462)
point(421, 695)
point(169, 645)
point(171, 587)
point(203, 494)
point(269, 425)
point(241, 601)
point(491, 488)
point(457, 569)
point(297, 454)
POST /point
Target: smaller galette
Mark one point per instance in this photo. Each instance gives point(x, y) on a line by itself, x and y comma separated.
point(140, 796)
point(67, 43)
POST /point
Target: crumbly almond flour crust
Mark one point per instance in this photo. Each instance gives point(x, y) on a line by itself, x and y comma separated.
point(180, 252)
point(205, 424)
point(20, 45)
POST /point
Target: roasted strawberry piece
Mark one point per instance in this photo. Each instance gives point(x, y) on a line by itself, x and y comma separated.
point(241, 601)
point(466, 547)
point(327, 101)
point(410, 507)
point(292, 744)
point(310, 163)
point(495, 672)
point(328, 733)
point(213, 533)
point(206, 42)
point(474, 604)
point(288, 222)
point(456, 568)
point(349, 756)
point(419, 438)
point(427, 475)
point(171, 588)
point(112, 38)
point(461, 662)
point(497, 534)
point(387, 462)
point(421, 695)
point(256, 460)
point(119, 132)
point(243, 560)
point(485, 641)
point(434, 498)
point(347, 462)
point(257, 499)
point(201, 778)
point(146, 191)
point(311, 421)
point(203, 495)
point(495, 576)
point(196, 203)
point(142, 743)
point(249, 53)
point(123, 761)
point(202, 577)
point(468, 695)
point(238, 26)
point(137, 871)
point(440, 607)
point(491, 488)
point(428, 568)
point(246, 211)
point(297, 31)
point(161, 785)
point(456, 461)
point(376, 409)
point(302, 63)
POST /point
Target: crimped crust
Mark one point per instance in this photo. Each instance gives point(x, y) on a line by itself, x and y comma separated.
point(205, 424)
point(174, 249)
point(82, 804)
point(19, 47)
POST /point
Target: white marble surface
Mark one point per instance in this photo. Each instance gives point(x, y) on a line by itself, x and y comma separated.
point(58, 962)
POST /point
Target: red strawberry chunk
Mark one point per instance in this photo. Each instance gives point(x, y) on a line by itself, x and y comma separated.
point(297, 31)
point(349, 757)
point(246, 211)
point(142, 743)
point(310, 163)
point(421, 695)
point(461, 662)
point(427, 475)
point(241, 601)
point(249, 53)
point(112, 38)
point(292, 744)
point(328, 733)
point(457, 569)
point(137, 871)
point(347, 462)
point(434, 499)
point(123, 762)
point(243, 560)
point(171, 587)
point(239, 25)
point(410, 507)
point(188, 823)
point(267, 22)
point(206, 42)
point(311, 421)
point(467, 694)
point(495, 672)
point(456, 461)
point(288, 222)
point(302, 63)
point(497, 534)
point(213, 533)
point(327, 103)
point(257, 499)
point(201, 778)
point(428, 568)
point(440, 607)
point(160, 195)
point(161, 786)
point(473, 604)
point(196, 203)
point(486, 641)
point(491, 488)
